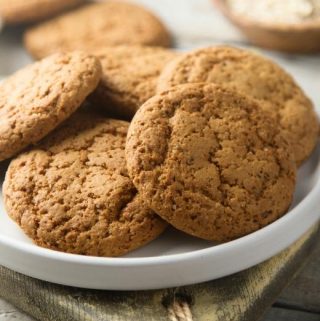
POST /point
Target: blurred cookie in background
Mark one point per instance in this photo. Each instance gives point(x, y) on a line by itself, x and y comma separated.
point(15, 12)
point(95, 26)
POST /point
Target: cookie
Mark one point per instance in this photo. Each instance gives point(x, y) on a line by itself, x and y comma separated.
point(39, 97)
point(22, 11)
point(96, 26)
point(129, 77)
point(257, 77)
point(72, 192)
point(210, 162)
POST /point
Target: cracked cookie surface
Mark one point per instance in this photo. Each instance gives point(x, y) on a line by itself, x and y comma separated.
point(257, 77)
point(210, 162)
point(129, 77)
point(22, 11)
point(72, 192)
point(36, 99)
point(96, 26)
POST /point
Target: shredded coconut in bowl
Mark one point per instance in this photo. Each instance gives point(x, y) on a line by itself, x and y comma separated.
point(277, 11)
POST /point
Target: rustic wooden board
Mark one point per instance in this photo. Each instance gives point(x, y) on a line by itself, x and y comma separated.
point(300, 301)
point(304, 292)
point(281, 314)
point(11, 313)
point(242, 297)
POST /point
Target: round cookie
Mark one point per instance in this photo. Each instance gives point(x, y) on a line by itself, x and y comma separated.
point(257, 77)
point(129, 77)
point(96, 26)
point(36, 99)
point(210, 162)
point(72, 192)
point(22, 11)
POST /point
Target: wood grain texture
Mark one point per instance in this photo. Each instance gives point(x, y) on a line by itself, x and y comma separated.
point(281, 314)
point(10, 313)
point(303, 293)
point(241, 297)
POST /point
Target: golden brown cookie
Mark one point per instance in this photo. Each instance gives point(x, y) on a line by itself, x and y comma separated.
point(72, 192)
point(210, 162)
point(129, 77)
point(96, 26)
point(40, 96)
point(24, 11)
point(257, 77)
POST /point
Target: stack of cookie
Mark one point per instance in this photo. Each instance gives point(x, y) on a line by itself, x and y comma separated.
point(212, 149)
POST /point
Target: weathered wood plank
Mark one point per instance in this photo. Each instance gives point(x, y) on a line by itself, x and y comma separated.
point(242, 297)
point(10, 313)
point(304, 291)
point(280, 314)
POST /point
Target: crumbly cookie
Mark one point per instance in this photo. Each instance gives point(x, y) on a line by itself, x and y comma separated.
point(129, 77)
point(22, 11)
point(39, 97)
point(96, 26)
point(257, 77)
point(210, 162)
point(72, 192)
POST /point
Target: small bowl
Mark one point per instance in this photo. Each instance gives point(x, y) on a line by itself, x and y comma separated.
point(293, 38)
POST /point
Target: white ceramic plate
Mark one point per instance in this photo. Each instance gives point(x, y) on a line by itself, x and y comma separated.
point(174, 259)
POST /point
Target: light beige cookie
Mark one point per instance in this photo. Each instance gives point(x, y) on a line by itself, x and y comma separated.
point(72, 192)
point(129, 77)
point(210, 161)
point(257, 77)
point(39, 97)
point(96, 26)
point(25, 11)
